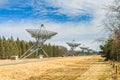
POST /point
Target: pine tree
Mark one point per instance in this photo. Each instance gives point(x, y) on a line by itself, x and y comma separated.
point(23, 46)
point(1, 48)
point(19, 47)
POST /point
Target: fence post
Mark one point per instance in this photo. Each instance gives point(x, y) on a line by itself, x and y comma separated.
point(116, 72)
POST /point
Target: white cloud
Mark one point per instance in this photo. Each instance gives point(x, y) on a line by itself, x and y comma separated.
point(77, 7)
point(67, 30)
point(70, 8)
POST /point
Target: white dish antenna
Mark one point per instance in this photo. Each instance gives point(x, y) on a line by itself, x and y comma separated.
point(72, 45)
point(41, 35)
point(84, 50)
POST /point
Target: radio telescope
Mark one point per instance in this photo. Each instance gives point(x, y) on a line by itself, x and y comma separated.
point(90, 51)
point(73, 45)
point(84, 49)
point(41, 35)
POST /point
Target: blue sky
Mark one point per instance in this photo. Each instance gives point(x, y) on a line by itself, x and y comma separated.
point(39, 9)
point(72, 19)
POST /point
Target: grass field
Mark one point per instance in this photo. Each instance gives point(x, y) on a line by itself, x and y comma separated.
point(65, 68)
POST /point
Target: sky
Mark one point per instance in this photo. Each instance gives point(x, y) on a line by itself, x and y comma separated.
point(78, 20)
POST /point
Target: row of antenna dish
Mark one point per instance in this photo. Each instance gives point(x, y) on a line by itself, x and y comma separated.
point(74, 45)
point(41, 35)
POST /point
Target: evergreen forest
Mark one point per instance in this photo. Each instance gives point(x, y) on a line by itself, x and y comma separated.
point(10, 47)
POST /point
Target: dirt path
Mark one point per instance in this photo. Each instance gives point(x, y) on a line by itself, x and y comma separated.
point(97, 71)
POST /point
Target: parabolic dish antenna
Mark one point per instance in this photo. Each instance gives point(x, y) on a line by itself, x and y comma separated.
point(84, 49)
point(73, 45)
point(41, 35)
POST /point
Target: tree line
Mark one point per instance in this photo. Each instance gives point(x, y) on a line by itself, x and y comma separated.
point(111, 46)
point(10, 47)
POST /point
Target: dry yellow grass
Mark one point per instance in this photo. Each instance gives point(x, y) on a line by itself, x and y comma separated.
point(66, 68)
point(116, 69)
